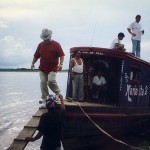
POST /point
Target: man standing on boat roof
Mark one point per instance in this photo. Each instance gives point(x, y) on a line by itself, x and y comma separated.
point(76, 73)
point(116, 43)
point(136, 31)
point(51, 58)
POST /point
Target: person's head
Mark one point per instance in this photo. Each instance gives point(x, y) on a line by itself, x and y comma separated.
point(99, 73)
point(51, 103)
point(46, 34)
point(77, 53)
point(121, 36)
point(138, 18)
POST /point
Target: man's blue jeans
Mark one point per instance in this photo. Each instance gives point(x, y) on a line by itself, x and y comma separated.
point(136, 47)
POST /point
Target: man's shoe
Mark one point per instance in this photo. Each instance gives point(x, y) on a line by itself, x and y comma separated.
point(69, 99)
point(57, 97)
point(40, 101)
point(43, 105)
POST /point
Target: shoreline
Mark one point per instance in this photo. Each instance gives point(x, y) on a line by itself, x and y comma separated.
point(25, 70)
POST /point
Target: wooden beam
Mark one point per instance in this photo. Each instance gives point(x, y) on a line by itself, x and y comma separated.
point(19, 142)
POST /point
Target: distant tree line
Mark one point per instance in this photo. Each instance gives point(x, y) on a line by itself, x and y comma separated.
point(22, 69)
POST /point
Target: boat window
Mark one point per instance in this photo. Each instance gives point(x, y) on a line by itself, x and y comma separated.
point(135, 74)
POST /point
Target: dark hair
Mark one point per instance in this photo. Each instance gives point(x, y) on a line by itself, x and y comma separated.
point(138, 16)
point(77, 52)
point(121, 34)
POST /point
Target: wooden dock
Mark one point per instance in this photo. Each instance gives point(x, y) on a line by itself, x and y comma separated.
point(19, 142)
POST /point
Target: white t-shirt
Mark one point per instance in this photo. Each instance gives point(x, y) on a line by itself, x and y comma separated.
point(78, 68)
point(99, 81)
point(136, 28)
point(115, 41)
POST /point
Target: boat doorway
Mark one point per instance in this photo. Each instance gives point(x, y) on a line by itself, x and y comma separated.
point(109, 68)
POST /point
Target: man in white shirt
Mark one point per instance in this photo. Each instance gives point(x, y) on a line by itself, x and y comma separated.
point(98, 90)
point(116, 43)
point(136, 31)
point(76, 74)
point(99, 79)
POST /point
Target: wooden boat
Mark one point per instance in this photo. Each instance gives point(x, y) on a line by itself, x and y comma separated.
point(88, 125)
point(125, 107)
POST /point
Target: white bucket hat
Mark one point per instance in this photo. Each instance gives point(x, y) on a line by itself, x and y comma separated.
point(46, 34)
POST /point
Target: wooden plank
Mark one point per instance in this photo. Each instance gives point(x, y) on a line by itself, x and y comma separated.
point(40, 112)
point(25, 132)
point(18, 145)
point(33, 122)
point(19, 142)
point(86, 104)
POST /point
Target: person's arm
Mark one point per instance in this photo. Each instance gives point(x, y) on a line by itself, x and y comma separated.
point(71, 66)
point(61, 63)
point(142, 32)
point(129, 30)
point(62, 102)
point(32, 139)
point(84, 69)
point(104, 81)
point(33, 62)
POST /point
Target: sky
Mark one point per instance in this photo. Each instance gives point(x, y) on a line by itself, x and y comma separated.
point(73, 22)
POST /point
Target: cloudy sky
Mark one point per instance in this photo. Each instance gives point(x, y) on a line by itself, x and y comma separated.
point(73, 22)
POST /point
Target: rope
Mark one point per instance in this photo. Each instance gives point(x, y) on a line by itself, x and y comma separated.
point(119, 141)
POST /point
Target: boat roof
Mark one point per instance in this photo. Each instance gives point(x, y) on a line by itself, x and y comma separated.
point(110, 52)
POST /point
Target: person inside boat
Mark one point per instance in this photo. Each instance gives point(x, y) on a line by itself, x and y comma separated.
point(88, 75)
point(76, 74)
point(98, 90)
point(116, 43)
point(50, 125)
